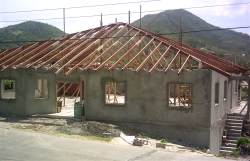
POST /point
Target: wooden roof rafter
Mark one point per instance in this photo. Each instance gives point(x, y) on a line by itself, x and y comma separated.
point(114, 46)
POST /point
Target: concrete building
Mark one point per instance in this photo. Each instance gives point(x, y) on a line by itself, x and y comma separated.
point(128, 75)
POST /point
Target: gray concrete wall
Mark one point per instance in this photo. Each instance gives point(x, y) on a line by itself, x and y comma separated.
point(147, 103)
point(39, 105)
point(14, 106)
point(25, 102)
point(219, 111)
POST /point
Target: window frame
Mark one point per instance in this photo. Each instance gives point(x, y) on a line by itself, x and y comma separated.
point(8, 78)
point(104, 81)
point(225, 90)
point(36, 85)
point(217, 96)
point(180, 107)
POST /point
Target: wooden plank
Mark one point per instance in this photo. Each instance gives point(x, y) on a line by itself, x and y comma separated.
point(75, 42)
point(104, 52)
point(99, 33)
point(130, 49)
point(83, 51)
point(131, 39)
point(145, 60)
point(158, 61)
point(172, 60)
point(94, 52)
point(14, 57)
point(31, 59)
point(183, 64)
point(131, 60)
point(8, 53)
point(28, 54)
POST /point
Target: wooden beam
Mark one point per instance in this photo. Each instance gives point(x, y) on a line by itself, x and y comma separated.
point(75, 42)
point(144, 61)
point(183, 64)
point(104, 52)
point(28, 54)
point(158, 51)
point(117, 51)
point(79, 47)
point(170, 63)
point(8, 53)
point(130, 49)
point(14, 57)
point(131, 60)
point(83, 51)
point(31, 59)
point(94, 52)
point(158, 61)
point(62, 44)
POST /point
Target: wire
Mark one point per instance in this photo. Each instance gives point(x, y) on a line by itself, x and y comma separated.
point(88, 6)
point(159, 34)
point(123, 13)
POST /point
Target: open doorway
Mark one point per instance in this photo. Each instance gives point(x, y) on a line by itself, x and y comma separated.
point(68, 94)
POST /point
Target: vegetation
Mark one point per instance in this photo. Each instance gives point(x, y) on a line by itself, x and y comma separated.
point(27, 31)
point(164, 141)
point(226, 43)
point(243, 145)
point(8, 84)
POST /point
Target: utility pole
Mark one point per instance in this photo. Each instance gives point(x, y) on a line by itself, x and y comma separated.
point(180, 38)
point(64, 21)
point(128, 17)
point(180, 26)
point(140, 16)
point(248, 100)
point(101, 21)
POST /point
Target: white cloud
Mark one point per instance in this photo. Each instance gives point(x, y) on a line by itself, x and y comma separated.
point(230, 10)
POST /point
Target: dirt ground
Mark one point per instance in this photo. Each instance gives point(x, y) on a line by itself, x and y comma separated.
point(92, 130)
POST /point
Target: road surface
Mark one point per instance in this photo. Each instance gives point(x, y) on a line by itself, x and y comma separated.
point(19, 145)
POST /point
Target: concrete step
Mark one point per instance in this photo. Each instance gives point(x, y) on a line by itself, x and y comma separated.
point(234, 130)
point(233, 134)
point(233, 138)
point(234, 120)
point(234, 123)
point(236, 116)
point(233, 127)
point(227, 148)
point(230, 141)
point(234, 145)
point(226, 151)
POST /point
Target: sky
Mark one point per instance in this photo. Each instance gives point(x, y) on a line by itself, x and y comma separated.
point(82, 18)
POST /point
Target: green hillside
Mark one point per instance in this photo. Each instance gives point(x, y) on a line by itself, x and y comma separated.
point(223, 42)
point(27, 31)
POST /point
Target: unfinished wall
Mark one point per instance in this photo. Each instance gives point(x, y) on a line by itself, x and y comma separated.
point(39, 105)
point(147, 103)
point(14, 106)
point(25, 102)
point(219, 111)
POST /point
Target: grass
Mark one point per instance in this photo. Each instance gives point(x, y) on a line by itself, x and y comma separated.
point(63, 133)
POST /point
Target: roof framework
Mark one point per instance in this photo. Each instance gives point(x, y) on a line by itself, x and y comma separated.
point(115, 46)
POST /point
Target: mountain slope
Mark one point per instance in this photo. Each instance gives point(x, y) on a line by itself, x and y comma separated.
point(27, 31)
point(220, 41)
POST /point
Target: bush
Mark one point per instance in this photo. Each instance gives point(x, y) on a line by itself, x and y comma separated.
point(243, 144)
point(164, 141)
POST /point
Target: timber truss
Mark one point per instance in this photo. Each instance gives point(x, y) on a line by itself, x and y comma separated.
point(115, 46)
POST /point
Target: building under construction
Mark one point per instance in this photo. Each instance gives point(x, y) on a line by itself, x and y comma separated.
point(125, 74)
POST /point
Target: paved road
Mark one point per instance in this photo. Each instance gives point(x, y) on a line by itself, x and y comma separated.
point(18, 145)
